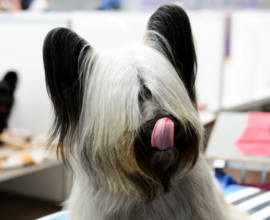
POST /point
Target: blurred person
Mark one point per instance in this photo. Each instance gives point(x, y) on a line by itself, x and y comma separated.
point(18, 5)
point(10, 5)
point(35, 5)
point(25, 4)
point(109, 4)
point(40, 5)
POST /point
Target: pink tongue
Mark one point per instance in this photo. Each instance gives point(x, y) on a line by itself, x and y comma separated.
point(163, 134)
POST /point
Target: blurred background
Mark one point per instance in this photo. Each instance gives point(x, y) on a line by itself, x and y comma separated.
point(232, 43)
point(62, 5)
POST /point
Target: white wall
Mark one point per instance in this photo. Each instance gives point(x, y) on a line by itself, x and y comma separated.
point(209, 35)
point(110, 30)
point(247, 72)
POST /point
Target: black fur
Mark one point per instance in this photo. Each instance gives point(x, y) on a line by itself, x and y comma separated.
point(7, 88)
point(63, 54)
point(172, 22)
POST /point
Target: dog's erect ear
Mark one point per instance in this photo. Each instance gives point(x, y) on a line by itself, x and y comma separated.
point(169, 31)
point(63, 55)
point(11, 79)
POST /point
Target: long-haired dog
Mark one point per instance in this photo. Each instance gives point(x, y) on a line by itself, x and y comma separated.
point(127, 125)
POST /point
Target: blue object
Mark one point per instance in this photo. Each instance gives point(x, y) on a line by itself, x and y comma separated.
point(56, 216)
point(227, 183)
point(109, 4)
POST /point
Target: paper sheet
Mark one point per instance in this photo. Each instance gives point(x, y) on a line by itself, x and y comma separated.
point(255, 138)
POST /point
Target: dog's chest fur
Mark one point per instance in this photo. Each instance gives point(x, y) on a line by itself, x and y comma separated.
point(193, 197)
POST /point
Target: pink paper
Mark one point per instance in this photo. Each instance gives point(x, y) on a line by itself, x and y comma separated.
point(255, 139)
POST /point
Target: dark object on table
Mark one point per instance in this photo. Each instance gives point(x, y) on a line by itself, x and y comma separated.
point(7, 88)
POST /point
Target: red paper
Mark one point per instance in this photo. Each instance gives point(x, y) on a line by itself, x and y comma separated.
point(255, 139)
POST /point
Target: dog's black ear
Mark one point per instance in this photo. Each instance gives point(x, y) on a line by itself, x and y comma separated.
point(11, 79)
point(63, 54)
point(169, 31)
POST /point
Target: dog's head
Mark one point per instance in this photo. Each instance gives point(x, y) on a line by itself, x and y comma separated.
point(7, 88)
point(127, 118)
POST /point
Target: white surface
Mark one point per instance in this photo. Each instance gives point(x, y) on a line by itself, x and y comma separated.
point(110, 30)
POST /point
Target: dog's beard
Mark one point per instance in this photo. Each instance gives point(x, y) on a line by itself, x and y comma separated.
point(158, 168)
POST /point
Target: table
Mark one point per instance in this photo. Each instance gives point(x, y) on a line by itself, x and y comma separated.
point(221, 149)
point(18, 172)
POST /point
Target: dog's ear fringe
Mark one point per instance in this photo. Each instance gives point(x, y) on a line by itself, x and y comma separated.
point(64, 54)
point(169, 31)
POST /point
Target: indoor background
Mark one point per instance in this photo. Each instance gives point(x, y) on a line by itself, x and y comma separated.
point(233, 79)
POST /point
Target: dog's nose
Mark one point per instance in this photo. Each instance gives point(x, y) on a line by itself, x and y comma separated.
point(163, 134)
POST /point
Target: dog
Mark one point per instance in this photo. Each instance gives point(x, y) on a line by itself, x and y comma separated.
point(7, 89)
point(126, 123)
